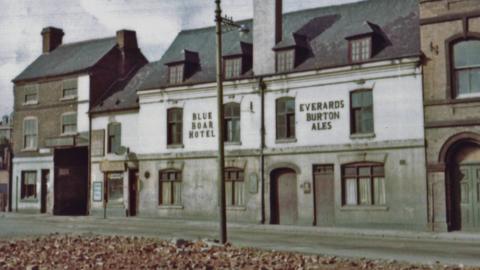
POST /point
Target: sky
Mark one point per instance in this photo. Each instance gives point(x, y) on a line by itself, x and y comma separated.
point(156, 22)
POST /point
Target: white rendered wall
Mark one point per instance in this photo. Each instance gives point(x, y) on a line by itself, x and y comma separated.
point(83, 92)
point(153, 120)
point(397, 106)
point(129, 123)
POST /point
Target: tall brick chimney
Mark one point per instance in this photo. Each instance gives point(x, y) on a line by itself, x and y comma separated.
point(267, 32)
point(52, 38)
point(127, 43)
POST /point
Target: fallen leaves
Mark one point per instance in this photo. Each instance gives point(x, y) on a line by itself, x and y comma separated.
point(114, 252)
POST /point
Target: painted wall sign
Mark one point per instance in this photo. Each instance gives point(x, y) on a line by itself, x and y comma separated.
point(322, 114)
point(202, 126)
point(97, 191)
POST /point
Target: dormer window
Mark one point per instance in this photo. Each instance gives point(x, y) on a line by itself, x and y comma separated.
point(233, 67)
point(182, 66)
point(176, 73)
point(291, 52)
point(360, 49)
point(237, 60)
point(365, 42)
point(285, 60)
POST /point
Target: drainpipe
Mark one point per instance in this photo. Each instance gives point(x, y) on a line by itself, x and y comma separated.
point(262, 87)
point(10, 178)
point(89, 169)
point(16, 195)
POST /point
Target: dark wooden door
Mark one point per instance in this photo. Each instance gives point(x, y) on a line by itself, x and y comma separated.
point(324, 195)
point(133, 192)
point(469, 187)
point(284, 202)
point(44, 191)
point(71, 181)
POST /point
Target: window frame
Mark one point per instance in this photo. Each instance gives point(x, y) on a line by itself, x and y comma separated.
point(286, 117)
point(111, 137)
point(33, 189)
point(232, 107)
point(161, 180)
point(232, 67)
point(234, 199)
point(64, 89)
point(62, 123)
point(357, 177)
point(174, 123)
point(35, 146)
point(361, 57)
point(282, 62)
point(354, 130)
point(175, 75)
point(453, 70)
point(30, 90)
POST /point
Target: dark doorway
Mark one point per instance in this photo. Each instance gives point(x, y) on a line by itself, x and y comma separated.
point(464, 179)
point(71, 181)
point(133, 192)
point(44, 191)
point(283, 197)
point(323, 180)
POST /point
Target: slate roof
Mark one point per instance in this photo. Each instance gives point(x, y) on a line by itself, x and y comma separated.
point(68, 58)
point(123, 94)
point(326, 29)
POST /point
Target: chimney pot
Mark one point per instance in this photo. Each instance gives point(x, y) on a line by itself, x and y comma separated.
point(52, 38)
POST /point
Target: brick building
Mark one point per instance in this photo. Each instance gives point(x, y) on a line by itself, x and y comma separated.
point(52, 98)
point(450, 37)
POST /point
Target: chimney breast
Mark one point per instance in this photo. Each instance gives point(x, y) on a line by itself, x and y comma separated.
point(52, 38)
point(127, 39)
point(267, 32)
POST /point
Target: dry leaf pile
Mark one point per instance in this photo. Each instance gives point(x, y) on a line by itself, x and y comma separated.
point(115, 252)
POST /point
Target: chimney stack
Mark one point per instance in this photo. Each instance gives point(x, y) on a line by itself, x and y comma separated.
point(127, 39)
point(127, 43)
point(267, 32)
point(52, 38)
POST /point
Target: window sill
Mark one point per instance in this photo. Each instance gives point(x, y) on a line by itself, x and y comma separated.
point(69, 134)
point(236, 208)
point(232, 143)
point(179, 207)
point(29, 103)
point(364, 208)
point(362, 136)
point(29, 150)
point(175, 146)
point(68, 98)
point(29, 200)
point(292, 140)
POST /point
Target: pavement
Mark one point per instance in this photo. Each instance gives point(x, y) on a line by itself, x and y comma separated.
point(455, 248)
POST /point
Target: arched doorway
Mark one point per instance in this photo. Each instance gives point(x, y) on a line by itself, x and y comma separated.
point(463, 185)
point(283, 196)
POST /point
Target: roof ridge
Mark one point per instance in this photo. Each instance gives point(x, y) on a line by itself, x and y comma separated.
point(284, 14)
point(86, 41)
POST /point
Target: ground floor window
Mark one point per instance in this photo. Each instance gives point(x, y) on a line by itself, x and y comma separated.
point(234, 186)
point(363, 184)
point(115, 188)
point(29, 185)
point(170, 187)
